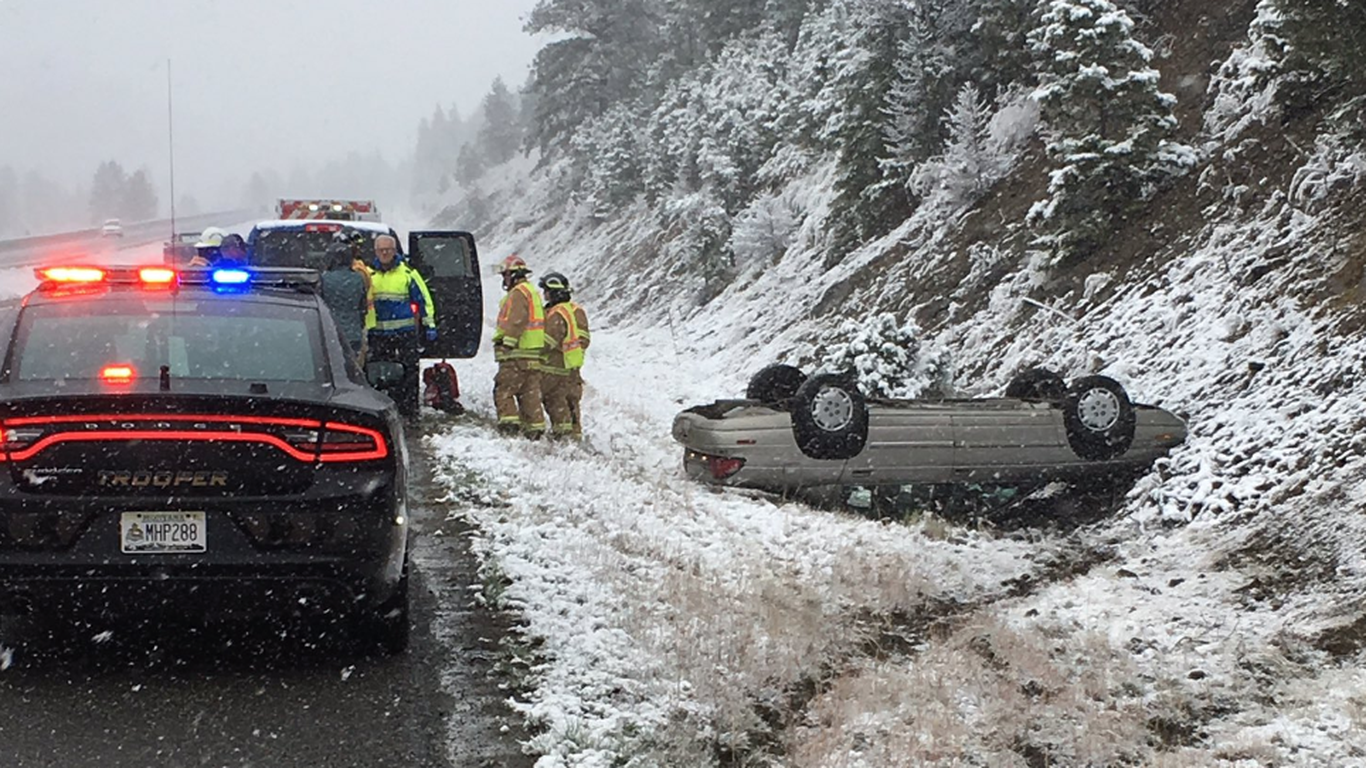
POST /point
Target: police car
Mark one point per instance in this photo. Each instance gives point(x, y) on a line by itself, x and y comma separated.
point(447, 260)
point(181, 440)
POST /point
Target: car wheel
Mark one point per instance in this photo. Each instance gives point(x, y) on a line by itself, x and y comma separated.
point(1099, 418)
point(386, 628)
point(1037, 384)
point(775, 383)
point(829, 417)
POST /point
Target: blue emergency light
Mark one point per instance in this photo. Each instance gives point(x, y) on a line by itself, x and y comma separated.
point(230, 277)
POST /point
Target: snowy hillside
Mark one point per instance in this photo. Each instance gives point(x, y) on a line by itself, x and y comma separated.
point(1217, 618)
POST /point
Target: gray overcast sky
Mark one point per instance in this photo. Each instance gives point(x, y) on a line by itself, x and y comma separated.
point(258, 83)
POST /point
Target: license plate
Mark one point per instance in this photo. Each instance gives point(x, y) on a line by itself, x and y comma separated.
point(153, 533)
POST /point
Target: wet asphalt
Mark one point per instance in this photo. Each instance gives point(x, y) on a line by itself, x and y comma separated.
point(271, 694)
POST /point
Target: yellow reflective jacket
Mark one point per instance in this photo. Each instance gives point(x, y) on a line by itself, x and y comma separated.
point(520, 334)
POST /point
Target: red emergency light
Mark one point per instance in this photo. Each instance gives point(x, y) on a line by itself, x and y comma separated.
point(117, 374)
point(157, 275)
point(72, 274)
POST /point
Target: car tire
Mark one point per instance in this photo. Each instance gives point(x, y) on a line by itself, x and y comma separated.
point(1099, 418)
point(1037, 384)
point(385, 629)
point(829, 417)
point(775, 383)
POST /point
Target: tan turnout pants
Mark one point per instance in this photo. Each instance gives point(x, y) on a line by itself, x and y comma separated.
point(517, 395)
point(562, 394)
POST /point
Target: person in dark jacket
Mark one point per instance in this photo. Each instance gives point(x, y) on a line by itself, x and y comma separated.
point(345, 293)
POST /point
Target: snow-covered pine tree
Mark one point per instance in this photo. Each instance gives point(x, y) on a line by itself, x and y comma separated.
point(1327, 53)
point(614, 177)
point(762, 232)
point(888, 358)
point(869, 202)
point(970, 163)
point(500, 136)
point(1108, 122)
point(605, 51)
point(469, 165)
point(785, 17)
point(927, 73)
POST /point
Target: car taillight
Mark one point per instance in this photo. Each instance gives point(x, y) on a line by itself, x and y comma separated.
point(722, 467)
point(345, 442)
point(303, 439)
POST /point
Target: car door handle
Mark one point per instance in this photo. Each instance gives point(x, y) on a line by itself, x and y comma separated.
point(862, 473)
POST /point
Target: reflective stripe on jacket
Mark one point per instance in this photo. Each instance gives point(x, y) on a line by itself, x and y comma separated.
point(521, 325)
point(394, 294)
point(566, 338)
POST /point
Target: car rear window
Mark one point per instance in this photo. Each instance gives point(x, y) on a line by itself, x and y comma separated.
point(208, 338)
point(303, 246)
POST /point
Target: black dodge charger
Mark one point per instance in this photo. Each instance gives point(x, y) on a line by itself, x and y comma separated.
point(182, 440)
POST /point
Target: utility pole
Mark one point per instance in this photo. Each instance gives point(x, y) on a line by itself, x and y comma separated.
point(170, 145)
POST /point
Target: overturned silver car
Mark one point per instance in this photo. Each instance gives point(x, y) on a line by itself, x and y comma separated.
point(793, 432)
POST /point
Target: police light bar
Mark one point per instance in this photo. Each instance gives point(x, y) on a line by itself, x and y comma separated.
point(166, 277)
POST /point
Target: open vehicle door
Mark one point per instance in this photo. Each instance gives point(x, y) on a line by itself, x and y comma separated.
point(449, 263)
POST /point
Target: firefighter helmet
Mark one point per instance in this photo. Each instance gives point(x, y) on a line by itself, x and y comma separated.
point(555, 286)
point(513, 265)
point(211, 238)
point(554, 281)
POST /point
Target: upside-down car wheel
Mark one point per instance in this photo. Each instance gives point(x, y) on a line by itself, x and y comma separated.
point(1099, 418)
point(775, 383)
point(1037, 384)
point(829, 417)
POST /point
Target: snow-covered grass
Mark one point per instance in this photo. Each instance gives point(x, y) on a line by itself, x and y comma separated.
point(672, 619)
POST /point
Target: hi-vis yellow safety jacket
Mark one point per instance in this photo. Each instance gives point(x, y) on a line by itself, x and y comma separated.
point(521, 325)
point(566, 338)
point(398, 297)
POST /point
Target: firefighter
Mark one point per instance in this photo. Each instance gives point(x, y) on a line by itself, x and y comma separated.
point(400, 305)
point(518, 347)
point(566, 339)
point(206, 250)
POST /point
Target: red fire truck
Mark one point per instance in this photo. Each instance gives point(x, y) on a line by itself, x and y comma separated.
point(335, 210)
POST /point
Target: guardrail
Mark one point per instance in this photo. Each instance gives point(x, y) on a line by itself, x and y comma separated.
point(149, 230)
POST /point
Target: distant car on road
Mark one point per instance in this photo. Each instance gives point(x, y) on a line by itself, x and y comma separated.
point(111, 228)
point(794, 432)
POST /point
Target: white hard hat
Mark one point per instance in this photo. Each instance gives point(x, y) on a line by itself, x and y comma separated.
point(210, 238)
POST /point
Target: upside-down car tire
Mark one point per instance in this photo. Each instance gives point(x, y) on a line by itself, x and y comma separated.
point(1099, 418)
point(1037, 384)
point(829, 417)
point(775, 383)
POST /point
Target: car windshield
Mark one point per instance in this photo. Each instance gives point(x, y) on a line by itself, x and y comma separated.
point(212, 338)
point(303, 246)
